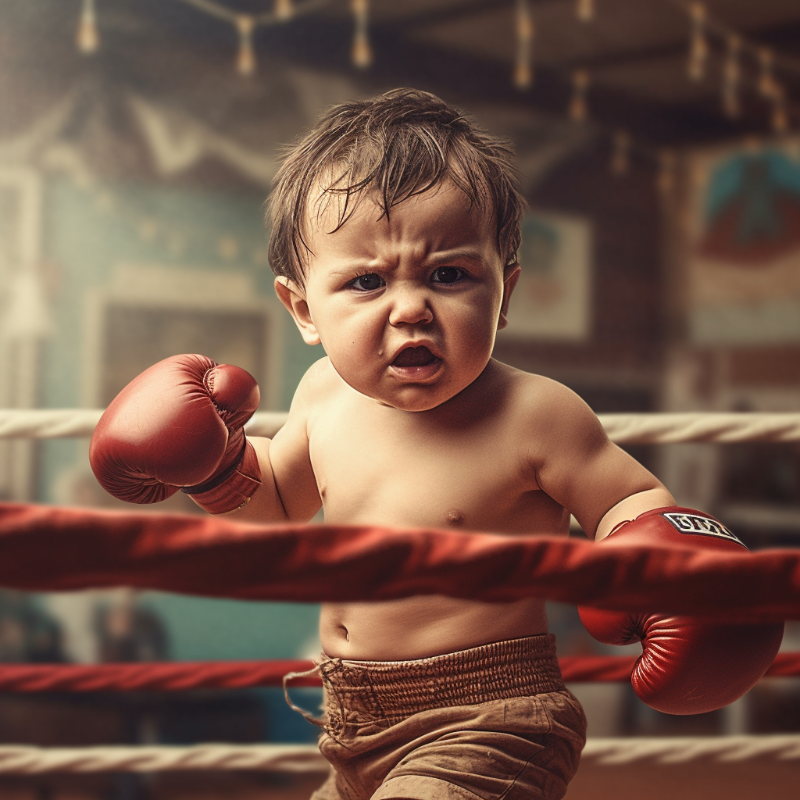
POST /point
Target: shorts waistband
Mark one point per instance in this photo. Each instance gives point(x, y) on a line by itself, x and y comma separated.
point(397, 689)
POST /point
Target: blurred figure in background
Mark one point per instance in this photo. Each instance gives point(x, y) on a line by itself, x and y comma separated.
point(128, 632)
point(27, 633)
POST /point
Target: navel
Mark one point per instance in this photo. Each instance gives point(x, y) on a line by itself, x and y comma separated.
point(455, 517)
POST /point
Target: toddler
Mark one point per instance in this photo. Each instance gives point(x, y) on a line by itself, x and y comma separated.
point(394, 235)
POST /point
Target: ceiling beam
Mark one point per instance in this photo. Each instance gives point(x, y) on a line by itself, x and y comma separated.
point(324, 45)
point(452, 13)
point(635, 57)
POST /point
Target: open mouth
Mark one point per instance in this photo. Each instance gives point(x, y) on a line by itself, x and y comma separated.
point(416, 364)
point(414, 357)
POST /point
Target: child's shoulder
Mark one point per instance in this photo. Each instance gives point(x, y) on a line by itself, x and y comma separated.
point(532, 386)
point(320, 370)
point(319, 381)
point(544, 400)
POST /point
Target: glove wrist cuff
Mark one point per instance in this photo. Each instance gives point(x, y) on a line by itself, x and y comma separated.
point(232, 488)
point(676, 525)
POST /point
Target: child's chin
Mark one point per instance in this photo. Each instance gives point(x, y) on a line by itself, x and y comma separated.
point(411, 397)
point(415, 399)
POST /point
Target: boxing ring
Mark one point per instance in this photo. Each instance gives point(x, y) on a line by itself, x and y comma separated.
point(47, 548)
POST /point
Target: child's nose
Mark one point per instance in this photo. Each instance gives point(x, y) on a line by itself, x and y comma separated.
point(409, 306)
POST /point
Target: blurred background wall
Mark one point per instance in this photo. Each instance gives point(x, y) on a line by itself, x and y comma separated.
point(661, 254)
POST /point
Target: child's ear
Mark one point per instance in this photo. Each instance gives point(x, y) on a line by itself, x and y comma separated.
point(510, 278)
point(293, 297)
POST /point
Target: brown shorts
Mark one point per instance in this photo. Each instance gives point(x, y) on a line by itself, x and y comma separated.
point(491, 722)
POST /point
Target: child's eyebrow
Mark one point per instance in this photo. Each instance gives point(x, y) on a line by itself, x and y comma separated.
point(455, 255)
point(347, 267)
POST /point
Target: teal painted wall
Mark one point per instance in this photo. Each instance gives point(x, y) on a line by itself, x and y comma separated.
point(201, 629)
point(89, 229)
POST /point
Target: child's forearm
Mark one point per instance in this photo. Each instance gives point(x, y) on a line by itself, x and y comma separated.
point(631, 507)
point(300, 503)
point(265, 505)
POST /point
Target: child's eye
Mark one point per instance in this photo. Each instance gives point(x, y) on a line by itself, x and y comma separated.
point(367, 283)
point(447, 274)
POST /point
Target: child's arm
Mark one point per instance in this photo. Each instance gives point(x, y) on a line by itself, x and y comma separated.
point(179, 425)
point(631, 507)
point(688, 666)
point(288, 488)
point(580, 468)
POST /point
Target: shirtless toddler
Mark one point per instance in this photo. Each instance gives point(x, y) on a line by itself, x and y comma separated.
point(394, 231)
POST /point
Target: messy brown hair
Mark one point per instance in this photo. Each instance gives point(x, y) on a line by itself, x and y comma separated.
point(393, 146)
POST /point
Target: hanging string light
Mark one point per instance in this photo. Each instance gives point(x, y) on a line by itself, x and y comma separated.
point(780, 117)
point(246, 60)
point(666, 171)
point(578, 108)
point(753, 144)
point(766, 80)
point(731, 76)
point(523, 72)
point(284, 9)
point(698, 46)
point(361, 55)
point(585, 10)
point(87, 38)
point(246, 24)
point(702, 25)
point(620, 157)
point(699, 175)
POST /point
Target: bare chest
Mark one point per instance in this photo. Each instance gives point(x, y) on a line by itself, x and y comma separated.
point(422, 474)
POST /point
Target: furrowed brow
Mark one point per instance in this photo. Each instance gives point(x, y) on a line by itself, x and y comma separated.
point(455, 255)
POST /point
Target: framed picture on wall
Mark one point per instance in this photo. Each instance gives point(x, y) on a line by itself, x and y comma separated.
point(137, 336)
point(743, 262)
point(148, 313)
point(553, 297)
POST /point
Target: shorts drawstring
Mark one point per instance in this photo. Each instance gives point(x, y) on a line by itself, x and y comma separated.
point(316, 669)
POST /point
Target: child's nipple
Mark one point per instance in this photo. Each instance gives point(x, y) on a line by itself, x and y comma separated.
point(455, 518)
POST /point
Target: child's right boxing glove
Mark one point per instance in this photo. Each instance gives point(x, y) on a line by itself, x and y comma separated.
point(180, 425)
point(687, 666)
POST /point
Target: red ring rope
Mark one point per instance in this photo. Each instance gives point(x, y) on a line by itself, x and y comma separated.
point(47, 548)
point(186, 675)
point(163, 677)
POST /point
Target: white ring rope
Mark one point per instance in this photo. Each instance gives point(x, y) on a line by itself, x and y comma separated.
point(20, 760)
point(679, 750)
point(705, 427)
point(622, 428)
point(47, 424)
point(260, 758)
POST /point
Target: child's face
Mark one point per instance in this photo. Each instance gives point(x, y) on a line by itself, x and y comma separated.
point(407, 308)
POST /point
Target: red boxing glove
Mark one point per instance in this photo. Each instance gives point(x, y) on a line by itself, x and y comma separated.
point(180, 425)
point(687, 666)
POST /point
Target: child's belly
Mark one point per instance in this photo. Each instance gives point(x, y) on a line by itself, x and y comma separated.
point(418, 627)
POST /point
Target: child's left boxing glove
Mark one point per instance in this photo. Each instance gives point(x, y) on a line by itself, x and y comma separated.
point(180, 424)
point(687, 666)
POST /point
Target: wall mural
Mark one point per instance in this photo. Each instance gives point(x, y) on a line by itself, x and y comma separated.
point(552, 299)
point(744, 258)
